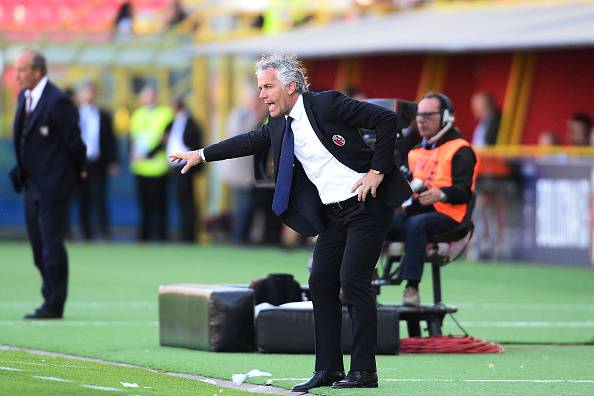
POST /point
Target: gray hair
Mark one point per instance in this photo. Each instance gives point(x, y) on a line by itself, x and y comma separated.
point(38, 61)
point(289, 69)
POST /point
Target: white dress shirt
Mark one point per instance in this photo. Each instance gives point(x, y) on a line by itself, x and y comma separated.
point(479, 136)
point(36, 93)
point(175, 142)
point(332, 178)
point(89, 128)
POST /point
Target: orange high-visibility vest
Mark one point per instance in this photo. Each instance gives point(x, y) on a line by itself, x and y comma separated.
point(434, 167)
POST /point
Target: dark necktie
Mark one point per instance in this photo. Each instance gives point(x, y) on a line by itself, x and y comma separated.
point(28, 103)
point(282, 188)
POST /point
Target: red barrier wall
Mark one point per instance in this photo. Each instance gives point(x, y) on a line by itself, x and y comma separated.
point(563, 85)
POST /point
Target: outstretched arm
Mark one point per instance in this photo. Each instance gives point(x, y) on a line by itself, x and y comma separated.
point(238, 146)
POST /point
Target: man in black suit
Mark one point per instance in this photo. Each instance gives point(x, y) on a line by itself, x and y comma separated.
point(50, 160)
point(331, 184)
point(485, 110)
point(183, 134)
point(97, 132)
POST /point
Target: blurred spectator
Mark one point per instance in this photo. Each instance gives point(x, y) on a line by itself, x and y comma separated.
point(123, 23)
point(97, 132)
point(174, 14)
point(70, 93)
point(184, 134)
point(548, 138)
point(488, 115)
point(149, 163)
point(579, 127)
point(239, 172)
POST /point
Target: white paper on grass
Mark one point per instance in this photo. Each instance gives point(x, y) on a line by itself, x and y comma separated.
point(129, 385)
point(239, 379)
point(208, 381)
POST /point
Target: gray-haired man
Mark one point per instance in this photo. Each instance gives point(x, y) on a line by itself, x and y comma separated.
point(328, 183)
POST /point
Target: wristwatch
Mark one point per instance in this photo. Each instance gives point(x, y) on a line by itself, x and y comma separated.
point(376, 172)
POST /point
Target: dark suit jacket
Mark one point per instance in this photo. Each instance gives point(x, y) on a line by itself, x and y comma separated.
point(192, 138)
point(192, 133)
point(108, 147)
point(492, 129)
point(330, 113)
point(53, 154)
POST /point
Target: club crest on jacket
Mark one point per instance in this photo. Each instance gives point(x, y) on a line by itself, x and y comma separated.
point(338, 140)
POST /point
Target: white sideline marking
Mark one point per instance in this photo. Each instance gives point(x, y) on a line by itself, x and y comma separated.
point(86, 305)
point(470, 305)
point(50, 378)
point(103, 388)
point(549, 381)
point(526, 306)
point(41, 364)
point(529, 324)
point(544, 381)
point(154, 323)
point(81, 323)
point(9, 368)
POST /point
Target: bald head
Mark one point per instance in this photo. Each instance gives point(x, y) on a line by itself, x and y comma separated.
point(30, 67)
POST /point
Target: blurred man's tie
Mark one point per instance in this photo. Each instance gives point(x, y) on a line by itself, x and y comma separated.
point(28, 102)
point(282, 189)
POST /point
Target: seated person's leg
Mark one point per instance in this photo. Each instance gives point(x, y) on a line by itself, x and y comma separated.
point(417, 230)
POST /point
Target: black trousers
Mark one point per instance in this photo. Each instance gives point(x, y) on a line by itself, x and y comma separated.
point(184, 191)
point(152, 201)
point(46, 228)
point(92, 197)
point(345, 254)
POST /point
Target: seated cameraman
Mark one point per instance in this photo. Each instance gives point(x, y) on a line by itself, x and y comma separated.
point(442, 169)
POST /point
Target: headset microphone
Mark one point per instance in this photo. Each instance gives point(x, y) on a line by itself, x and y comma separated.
point(440, 133)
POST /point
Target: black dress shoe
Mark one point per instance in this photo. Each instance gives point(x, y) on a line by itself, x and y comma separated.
point(43, 313)
point(358, 379)
point(320, 378)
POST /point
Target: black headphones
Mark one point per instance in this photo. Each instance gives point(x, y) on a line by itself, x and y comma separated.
point(446, 107)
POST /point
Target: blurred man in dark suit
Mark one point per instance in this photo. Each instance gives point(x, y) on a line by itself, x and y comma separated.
point(50, 160)
point(183, 134)
point(485, 110)
point(97, 132)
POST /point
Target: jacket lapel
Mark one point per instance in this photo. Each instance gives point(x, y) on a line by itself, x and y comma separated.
point(314, 124)
point(277, 130)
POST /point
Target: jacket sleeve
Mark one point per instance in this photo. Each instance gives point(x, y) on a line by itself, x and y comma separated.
point(463, 165)
point(193, 135)
point(65, 118)
point(242, 145)
point(360, 114)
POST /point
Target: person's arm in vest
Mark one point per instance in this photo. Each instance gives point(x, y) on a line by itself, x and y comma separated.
point(462, 175)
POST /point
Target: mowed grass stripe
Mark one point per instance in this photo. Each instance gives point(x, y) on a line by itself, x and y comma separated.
point(48, 375)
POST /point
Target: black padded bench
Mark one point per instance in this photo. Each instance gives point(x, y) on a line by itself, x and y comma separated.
point(289, 328)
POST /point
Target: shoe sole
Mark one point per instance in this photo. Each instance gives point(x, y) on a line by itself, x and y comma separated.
point(306, 389)
point(356, 386)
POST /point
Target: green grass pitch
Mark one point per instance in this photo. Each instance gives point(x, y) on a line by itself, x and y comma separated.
point(543, 315)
